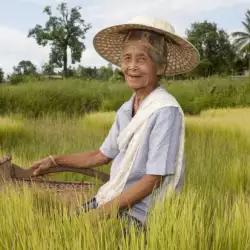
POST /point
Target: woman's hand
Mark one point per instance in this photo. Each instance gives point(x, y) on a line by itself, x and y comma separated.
point(42, 165)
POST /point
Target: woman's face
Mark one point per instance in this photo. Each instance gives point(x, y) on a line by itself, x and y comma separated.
point(138, 67)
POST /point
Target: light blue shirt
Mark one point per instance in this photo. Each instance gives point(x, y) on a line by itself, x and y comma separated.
point(157, 152)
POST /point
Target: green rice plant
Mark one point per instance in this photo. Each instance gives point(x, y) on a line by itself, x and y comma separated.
point(212, 211)
point(78, 96)
point(11, 130)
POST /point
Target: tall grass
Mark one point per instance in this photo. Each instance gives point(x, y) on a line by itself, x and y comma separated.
point(211, 212)
point(77, 97)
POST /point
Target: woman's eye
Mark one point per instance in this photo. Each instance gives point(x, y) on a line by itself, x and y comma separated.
point(142, 58)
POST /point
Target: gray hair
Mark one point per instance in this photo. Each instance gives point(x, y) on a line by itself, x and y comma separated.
point(156, 57)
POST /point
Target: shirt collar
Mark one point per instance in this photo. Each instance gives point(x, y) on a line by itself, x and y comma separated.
point(128, 106)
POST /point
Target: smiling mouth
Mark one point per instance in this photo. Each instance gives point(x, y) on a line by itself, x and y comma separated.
point(133, 77)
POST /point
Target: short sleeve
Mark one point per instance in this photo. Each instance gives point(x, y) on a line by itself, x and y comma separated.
point(164, 141)
point(110, 146)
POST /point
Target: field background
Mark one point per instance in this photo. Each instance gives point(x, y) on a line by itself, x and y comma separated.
point(77, 97)
point(63, 117)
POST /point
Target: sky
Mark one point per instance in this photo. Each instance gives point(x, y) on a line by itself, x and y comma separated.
point(18, 16)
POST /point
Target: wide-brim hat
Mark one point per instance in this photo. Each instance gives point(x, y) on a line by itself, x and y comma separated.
point(181, 55)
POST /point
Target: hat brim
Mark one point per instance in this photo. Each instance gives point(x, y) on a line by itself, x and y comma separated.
point(182, 56)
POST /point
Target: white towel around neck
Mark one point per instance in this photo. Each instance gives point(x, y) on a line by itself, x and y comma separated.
point(131, 136)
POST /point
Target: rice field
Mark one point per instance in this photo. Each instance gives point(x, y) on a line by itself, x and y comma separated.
point(211, 212)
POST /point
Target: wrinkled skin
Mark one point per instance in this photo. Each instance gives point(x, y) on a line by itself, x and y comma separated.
point(41, 165)
point(140, 71)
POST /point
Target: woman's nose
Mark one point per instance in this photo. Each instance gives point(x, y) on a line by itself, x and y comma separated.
point(132, 65)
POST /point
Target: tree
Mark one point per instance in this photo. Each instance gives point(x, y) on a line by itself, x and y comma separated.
point(242, 39)
point(1, 75)
point(104, 73)
point(25, 68)
point(118, 76)
point(87, 72)
point(62, 32)
point(217, 53)
point(48, 69)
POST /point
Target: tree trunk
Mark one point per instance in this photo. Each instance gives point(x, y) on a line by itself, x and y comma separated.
point(65, 63)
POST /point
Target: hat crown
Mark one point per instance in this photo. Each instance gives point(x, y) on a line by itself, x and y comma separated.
point(180, 56)
point(153, 22)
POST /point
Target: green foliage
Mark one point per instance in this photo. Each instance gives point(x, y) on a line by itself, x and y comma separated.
point(242, 39)
point(195, 96)
point(1, 75)
point(217, 53)
point(78, 97)
point(34, 99)
point(48, 69)
point(211, 211)
point(62, 32)
point(15, 79)
point(12, 128)
point(87, 72)
point(105, 73)
point(23, 72)
point(117, 76)
point(25, 68)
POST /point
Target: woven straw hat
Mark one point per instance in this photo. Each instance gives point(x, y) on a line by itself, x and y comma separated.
point(181, 56)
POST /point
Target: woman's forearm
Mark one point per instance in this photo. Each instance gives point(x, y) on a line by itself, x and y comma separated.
point(133, 194)
point(82, 160)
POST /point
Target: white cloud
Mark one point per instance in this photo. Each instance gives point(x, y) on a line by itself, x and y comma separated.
point(178, 12)
point(115, 11)
point(15, 46)
point(42, 2)
point(91, 58)
point(200, 5)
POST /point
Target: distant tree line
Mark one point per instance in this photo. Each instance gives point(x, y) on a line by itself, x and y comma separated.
point(66, 31)
point(27, 71)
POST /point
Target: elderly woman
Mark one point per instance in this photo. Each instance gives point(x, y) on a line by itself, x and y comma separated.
point(146, 141)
